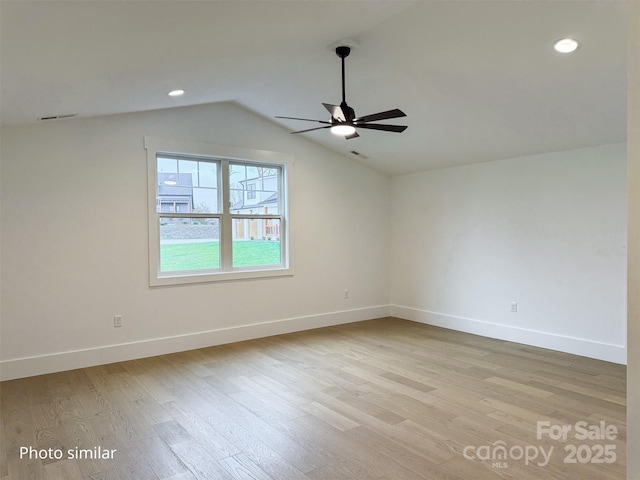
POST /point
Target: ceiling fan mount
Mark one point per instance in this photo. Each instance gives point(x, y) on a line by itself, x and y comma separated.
point(343, 51)
point(343, 120)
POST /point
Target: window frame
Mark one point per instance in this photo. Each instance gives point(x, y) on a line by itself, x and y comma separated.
point(224, 156)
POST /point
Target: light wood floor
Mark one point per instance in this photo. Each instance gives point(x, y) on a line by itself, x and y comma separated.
point(384, 399)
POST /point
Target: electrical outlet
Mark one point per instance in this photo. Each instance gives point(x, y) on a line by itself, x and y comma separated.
point(346, 294)
point(117, 321)
point(514, 307)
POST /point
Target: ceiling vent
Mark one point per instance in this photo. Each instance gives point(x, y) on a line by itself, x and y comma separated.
point(57, 117)
point(358, 154)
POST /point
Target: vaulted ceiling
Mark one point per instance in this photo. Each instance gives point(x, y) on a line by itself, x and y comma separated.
point(478, 80)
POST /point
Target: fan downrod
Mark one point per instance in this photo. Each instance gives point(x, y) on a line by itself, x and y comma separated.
point(343, 52)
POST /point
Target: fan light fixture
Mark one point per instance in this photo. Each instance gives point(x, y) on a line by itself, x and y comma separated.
point(343, 130)
point(565, 45)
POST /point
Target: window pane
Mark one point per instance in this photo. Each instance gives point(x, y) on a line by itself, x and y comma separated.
point(256, 241)
point(167, 165)
point(208, 174)
point(205, 200)
point(254, 189)
point(189, 169)
point(186, 186)
point(189, 244)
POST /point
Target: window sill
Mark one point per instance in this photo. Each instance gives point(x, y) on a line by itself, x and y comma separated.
point(191, 278)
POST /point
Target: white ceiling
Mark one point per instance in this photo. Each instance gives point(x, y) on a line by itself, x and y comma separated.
point(478, 80)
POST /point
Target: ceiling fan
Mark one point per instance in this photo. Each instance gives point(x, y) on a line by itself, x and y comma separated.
point(343, 118)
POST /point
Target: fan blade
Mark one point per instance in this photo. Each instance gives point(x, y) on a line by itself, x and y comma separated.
point(335, 111)
point(310, 129)
point(395, 113)
point(353, 135)
point(386, 128)
point(305, 119)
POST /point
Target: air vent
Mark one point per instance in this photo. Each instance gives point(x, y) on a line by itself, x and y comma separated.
point(358, 154)
point(57, 117)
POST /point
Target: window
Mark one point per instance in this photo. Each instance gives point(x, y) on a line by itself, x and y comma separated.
point(216, 212)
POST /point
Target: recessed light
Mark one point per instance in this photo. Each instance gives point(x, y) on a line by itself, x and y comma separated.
point(176, 93)
point(565, 45)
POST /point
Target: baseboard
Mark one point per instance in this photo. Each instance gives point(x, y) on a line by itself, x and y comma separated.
point(61, 361)
point(576, 346)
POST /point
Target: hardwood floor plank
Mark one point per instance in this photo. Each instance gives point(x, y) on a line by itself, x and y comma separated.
point(63, 470)
point(18, 428)
point(152, 411)
point(18, 469)
point(201, 464)
point(128, 462)
point(330, 416)
point(283, 405)
point(259, 439)
point(390, 385)
point(201, 432)
point(51, 438)
point(34, 389)
point(155, 388)
point(243, 466)
point(107, 475)
point(166, 464)
point(416, 460)
point(361, 459)
point(520, 387)
point(172, 432)
point(121, 419)
point(409, 408)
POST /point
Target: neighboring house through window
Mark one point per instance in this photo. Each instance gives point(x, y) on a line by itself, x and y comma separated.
point(251, 191)
point(175, 192)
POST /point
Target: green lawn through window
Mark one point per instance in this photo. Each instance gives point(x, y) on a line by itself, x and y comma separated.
point(206, 255)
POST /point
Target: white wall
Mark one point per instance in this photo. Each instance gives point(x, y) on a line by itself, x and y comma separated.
point(546, 231)
point(74, 243)
point(633, 339)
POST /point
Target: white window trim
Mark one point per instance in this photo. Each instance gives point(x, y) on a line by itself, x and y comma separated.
point(158, 146)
